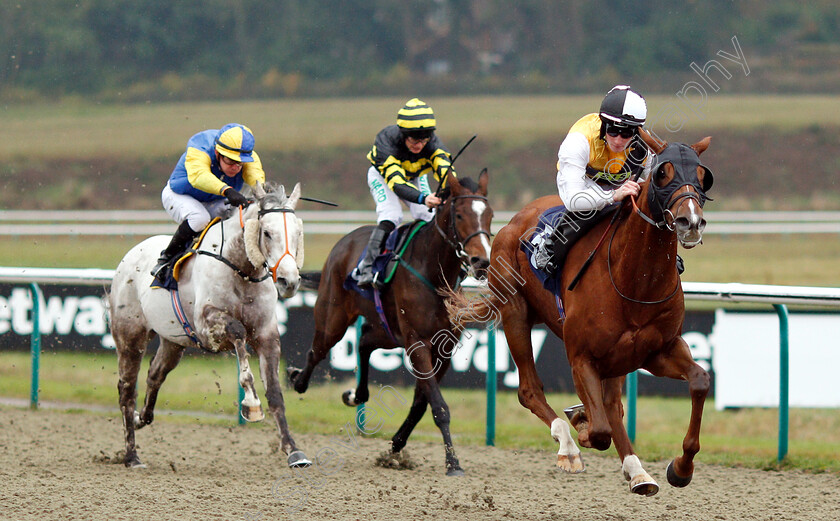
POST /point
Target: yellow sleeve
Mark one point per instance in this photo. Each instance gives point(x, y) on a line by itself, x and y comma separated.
point(441, 164)
point(253, 173)
point(198, 172)
point(394, 173)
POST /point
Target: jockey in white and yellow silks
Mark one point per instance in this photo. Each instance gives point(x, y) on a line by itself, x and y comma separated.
point(598, 160)
point(206, 181)
point(401, 158)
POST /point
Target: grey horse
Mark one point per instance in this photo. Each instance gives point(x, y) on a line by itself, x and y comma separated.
point(228, 293)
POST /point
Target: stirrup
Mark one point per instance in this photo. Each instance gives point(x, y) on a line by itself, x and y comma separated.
point(160, 272)
point(365, 278)
point(543, 255)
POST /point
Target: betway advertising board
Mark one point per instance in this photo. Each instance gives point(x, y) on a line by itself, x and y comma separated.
point(739, 349)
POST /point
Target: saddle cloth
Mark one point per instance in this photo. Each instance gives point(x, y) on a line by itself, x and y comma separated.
point(556, 221)
point(545, 226)
point(386, 263)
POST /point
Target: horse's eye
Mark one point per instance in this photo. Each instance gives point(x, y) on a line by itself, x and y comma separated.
point(267, 234)
point(458, 217)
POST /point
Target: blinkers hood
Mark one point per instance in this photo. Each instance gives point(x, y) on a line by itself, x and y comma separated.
point(685, 161)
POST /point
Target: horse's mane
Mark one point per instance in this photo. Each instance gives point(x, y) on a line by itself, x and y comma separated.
point(466, 182)
point(275, 196)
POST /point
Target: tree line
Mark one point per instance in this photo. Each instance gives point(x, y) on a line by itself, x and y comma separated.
point(163, 50)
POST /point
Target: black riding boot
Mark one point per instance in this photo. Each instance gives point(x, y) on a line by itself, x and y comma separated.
point(180, 241)
point(374, 247)
point(551, 254)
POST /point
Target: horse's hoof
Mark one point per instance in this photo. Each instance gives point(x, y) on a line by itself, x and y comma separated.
point(349, 398)
point(134, 463)
point(674, 479)
point(572, 464)
point(574, 410)
point(644, 485)
point(292, 373)
point(252, 413)
point(297, 459)
point(455, 472)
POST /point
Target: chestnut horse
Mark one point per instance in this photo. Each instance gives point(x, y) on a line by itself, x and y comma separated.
point(626, 312)
point(458, 238)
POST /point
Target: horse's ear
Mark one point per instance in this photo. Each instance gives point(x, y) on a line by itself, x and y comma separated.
point(292, 201)
point(259, 190)
point(653, 142)
point(702, 145)
point(453, 184)
point(483, 180)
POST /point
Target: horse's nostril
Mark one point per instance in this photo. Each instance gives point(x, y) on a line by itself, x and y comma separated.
point(479, 262)
point(681, 223)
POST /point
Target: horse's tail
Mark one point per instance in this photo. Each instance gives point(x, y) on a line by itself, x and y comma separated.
point(482, 307)
point(310, 279)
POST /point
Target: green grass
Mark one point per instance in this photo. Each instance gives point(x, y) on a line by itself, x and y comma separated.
point(160, 129)
point(794, 260)
point(207, 384)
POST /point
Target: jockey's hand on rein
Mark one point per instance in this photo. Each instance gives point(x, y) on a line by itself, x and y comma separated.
point(235, 198)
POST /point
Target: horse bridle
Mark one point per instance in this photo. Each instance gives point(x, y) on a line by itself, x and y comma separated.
point(270, 271)
point(661, 225)
point(458, 244)
point(284, 211)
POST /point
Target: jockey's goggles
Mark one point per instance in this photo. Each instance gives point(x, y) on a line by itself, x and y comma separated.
point(624, 132)
point(420, 135)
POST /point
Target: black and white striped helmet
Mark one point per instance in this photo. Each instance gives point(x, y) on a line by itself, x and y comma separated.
point(623, 106)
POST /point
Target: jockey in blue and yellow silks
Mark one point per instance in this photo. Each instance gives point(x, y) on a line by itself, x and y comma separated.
point(401, 158)
point(206, 179)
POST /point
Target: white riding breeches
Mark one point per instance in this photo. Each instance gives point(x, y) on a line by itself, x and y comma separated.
point(185, 208)
point(388, 203)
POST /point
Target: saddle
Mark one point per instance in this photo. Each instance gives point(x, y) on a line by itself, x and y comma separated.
point(564, 229)
point(171, 282)
point(385, 265)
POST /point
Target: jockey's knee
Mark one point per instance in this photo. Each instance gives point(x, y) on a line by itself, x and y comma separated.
point(198, 222)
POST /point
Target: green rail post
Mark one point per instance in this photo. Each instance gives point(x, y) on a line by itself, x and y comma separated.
point(360, 409)
point(632, 392)
point(241, 396)
point(35, 343)
point(784, 376)
point(491, 385)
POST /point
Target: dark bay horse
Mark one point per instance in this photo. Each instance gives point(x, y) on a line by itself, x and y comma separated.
point(228, 296)
point(457, 238)
point(626, 312)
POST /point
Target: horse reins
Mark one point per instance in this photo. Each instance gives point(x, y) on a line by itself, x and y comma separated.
point(459, 244)
point(270, 271)
point(661, 225)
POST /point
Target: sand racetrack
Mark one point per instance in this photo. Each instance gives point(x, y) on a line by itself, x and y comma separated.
point(55, 465)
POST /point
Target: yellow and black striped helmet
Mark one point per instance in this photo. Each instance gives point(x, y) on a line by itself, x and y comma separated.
point(416, 117)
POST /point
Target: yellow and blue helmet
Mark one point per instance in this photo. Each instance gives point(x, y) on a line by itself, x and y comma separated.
point(236, 142)
point(416, 118)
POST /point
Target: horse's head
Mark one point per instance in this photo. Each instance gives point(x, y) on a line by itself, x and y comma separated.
point(678, 187)
point(469, 217)
point(274, 236)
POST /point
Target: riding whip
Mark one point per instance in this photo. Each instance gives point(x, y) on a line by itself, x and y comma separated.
point(437, 192)
point(318, 201)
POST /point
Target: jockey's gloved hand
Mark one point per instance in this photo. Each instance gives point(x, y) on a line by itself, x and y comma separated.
point(235, 198)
